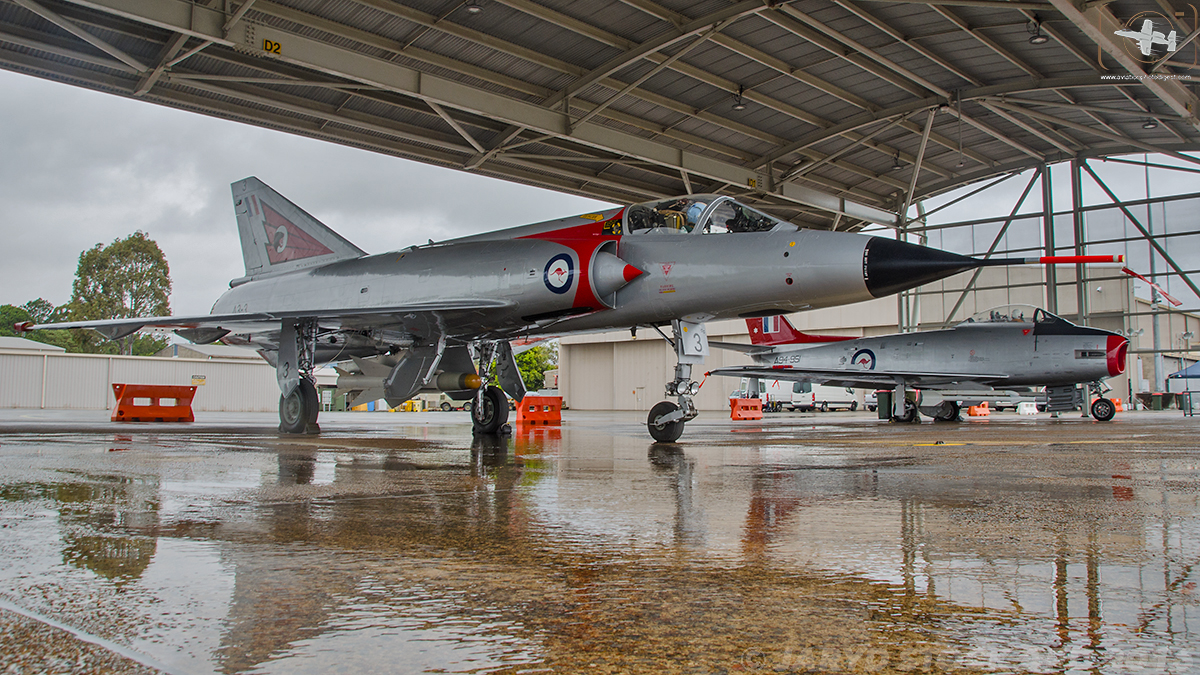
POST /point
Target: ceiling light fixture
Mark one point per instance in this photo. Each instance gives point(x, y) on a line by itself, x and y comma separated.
point(738, 103)
point(1035, 31)
point(1150, 124)
point(474, 8)
point(896, 165)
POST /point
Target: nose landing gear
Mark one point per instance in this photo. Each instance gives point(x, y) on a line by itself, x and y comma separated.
point(666, 419)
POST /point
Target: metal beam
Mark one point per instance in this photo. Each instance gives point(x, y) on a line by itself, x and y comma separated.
point(956, 200)
point(1149, 237)
point(652, 72)
point(1029, 128)
point(1100, 26)
point(441, 112)
point(206, 23)
point(1007, 55)
point(912, 184)
point(995, 244)
point(994, 4)
point(800, 171)
point(622, 61)
point(168, 52)
point(73, 29)
point(1124, 140)
point(1048, 239)
point(731, 44)
point(1140, 114)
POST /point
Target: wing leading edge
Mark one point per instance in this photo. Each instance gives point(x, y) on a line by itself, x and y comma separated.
point(259, 322)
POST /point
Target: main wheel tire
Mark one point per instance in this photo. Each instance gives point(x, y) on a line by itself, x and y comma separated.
point(492, 412)
point(824, 406)
point(910, 414)
point(314, 400)
point(948, 411)
point(664, 433)
point(446, 407)
point(853, 406)
point(1103, 409)
point(298, 409)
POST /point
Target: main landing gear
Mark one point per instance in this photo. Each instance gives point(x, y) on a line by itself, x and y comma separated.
point(489, 413)
point(666, 419)
point(489, 408)
point(299, 407)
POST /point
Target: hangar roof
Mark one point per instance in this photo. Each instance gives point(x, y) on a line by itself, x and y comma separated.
point(820, 111)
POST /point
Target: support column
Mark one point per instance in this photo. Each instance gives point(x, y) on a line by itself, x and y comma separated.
point(1078, 235)
point(1159, 368)
point(1048, 229)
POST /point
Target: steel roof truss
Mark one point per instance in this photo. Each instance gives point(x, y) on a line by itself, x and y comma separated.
point(1100, 25)
point(69, 26)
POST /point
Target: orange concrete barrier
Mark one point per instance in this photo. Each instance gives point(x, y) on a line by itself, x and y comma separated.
point(540, 410)
point(145, 403)
point(745, 409)
point(980, 410)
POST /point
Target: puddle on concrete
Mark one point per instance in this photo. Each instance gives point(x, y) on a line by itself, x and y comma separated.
point(418, 549)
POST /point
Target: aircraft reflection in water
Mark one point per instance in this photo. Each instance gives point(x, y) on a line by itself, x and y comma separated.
point(789, 555)
point(985, 358)
point(421, 318)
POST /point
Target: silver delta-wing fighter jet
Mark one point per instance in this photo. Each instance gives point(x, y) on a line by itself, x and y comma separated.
point(983, 358)
point(422, 318)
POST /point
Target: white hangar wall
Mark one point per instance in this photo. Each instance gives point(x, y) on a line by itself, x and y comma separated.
point(84, 381)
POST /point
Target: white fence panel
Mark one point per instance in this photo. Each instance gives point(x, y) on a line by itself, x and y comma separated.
point(84, 381)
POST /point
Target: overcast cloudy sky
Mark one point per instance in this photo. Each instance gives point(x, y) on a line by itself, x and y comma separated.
point(80, 168)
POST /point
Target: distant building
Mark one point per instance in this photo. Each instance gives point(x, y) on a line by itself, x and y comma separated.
point(16, 344)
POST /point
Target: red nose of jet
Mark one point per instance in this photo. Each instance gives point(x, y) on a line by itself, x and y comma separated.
point(1117, 348)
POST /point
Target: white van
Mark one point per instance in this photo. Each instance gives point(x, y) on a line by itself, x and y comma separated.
point(807, 396)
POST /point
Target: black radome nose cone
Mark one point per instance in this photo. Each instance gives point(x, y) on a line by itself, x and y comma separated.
point(891, 266)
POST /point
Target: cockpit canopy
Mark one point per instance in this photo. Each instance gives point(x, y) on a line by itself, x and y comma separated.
point(698, 214)
point(1014, 314)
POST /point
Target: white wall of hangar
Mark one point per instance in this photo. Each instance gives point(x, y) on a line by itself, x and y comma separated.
point(206, 23)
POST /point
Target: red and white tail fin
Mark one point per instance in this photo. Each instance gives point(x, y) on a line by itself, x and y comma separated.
point(775, 330)
point(278, 236)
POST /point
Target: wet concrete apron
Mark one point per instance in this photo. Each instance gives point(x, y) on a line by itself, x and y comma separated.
point(397, 544)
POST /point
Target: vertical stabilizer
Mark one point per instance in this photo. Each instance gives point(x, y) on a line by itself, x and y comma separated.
point(278, 236)
point(775, 330)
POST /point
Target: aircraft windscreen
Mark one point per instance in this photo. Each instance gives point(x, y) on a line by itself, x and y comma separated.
point(708, 214)
point(680, 215)
point(1010, 314)
point(731, 216)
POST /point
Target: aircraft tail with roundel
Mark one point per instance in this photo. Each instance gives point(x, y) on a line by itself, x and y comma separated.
point(776, 330)
point(279, 237)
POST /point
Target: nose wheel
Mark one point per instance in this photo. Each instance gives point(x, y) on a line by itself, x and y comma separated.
point(1103, 409)
point(665, 422)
